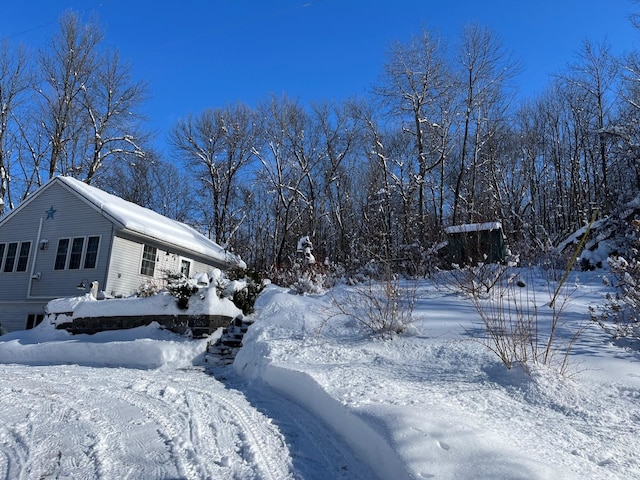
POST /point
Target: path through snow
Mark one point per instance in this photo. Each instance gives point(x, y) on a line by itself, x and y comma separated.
point(84, 422)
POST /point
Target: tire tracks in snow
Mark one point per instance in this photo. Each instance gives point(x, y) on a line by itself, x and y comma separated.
point(69, 421)
point(317, 452)
point(215, 433)
point(261, 438)
point(83, 422)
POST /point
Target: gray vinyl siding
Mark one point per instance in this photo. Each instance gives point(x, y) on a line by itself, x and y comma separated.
point(72, 218)
point(124, 276)
point(126, 259)
point(13, 315)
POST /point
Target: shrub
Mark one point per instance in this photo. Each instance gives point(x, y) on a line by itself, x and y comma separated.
point(474, 280)
point(620, 316)
point(512, 325)
point(381, 308)
point(147, 289)
point(245, 298)
point(181, 287)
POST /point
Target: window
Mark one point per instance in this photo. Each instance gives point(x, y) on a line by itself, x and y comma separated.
point(16, 259)
point(76, 253)
point(33, 320)
point(148, 261)
point(185, 267)
point(61, 254)
point(12, 250)
point(91, 255)
point(23, 257)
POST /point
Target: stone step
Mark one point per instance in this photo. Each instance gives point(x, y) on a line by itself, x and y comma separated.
point(225, 348)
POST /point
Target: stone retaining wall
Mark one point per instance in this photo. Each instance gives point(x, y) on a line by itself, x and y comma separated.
point(199, 326)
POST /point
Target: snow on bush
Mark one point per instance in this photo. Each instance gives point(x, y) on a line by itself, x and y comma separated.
point(382, 309)
point(620, 316)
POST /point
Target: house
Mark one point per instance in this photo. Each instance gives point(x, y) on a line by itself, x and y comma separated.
point(472, 243)
point(68, 234)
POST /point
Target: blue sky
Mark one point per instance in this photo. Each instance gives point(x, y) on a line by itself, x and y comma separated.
point(197, 54)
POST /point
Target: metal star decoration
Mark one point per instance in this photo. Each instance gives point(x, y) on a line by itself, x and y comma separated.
point(50, 212)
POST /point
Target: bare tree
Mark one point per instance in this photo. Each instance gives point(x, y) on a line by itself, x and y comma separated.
point(387, 203)
point(337, 130)
point(485, 68)
point(287, 174)
point(153, 183)
point(87, 108)
point(110, 103)
point(416, 86)
point(66, 69)
point(593, 77)
point(624, 133)
point(217, 146)
point(13, 83)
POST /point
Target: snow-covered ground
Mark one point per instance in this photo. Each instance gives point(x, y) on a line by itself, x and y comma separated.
point(310, 396)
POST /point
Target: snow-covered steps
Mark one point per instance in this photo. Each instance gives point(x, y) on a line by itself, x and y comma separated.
point(224, 349)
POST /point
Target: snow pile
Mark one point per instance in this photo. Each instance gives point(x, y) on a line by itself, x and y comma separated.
point(148, 347)
point(433, 403)
point(204, 302)
point(143, 347)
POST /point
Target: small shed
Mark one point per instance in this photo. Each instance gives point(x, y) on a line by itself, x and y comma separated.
point(472, 243)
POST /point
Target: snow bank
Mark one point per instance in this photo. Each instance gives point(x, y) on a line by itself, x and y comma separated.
point(282, 312)
point(429, 403)
point(434, 404)
point(146, 347)
point(143, 347)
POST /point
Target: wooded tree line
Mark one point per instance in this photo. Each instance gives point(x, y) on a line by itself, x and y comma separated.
point(441, 140)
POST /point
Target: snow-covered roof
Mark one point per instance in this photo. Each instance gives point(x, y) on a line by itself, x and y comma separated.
point(474, 227)
point(146, 222)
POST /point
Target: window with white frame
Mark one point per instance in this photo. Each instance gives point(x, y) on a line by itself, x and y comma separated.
point(91, 253)
point(75, 257)
point(61, 254)
point(149, 258)
point(23, 257)
point(14, 256)
point(78, 252)
point(10, 259)
point(185, 267)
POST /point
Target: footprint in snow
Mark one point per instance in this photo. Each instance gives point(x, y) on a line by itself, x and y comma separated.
point(443, 445)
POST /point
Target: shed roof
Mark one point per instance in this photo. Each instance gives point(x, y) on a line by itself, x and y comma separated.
point(474, 227)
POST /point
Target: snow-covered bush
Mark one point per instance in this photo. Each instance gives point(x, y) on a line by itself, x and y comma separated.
point(247, 285)
point(620, 316)
point(181, 288)
point(148, 288)
point(308, 282)
point(305, 247)
point(302, 274)
point(382, 308)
